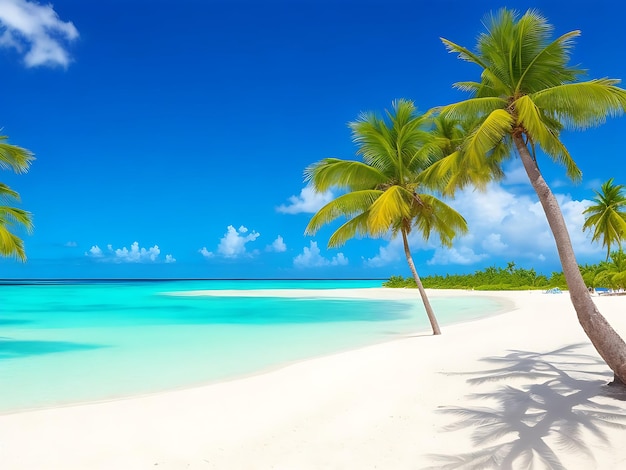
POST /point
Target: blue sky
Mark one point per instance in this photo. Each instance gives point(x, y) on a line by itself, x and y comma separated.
point(171, 137)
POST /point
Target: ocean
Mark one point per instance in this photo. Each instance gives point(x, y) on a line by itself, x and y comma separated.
point(67, 342)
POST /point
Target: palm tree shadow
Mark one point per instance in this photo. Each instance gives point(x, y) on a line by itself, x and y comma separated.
point(561, 401)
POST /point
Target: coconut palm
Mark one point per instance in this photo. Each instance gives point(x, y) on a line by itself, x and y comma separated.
point(382, 195)
point(612, 273)
point(607, 216)
point(528, 94)
point(11, 218)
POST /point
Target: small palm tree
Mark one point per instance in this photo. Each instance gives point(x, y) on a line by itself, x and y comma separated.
point(527, 95)
point(612, 273)
point(607, 216)
point(17, 159)
point(382, 193)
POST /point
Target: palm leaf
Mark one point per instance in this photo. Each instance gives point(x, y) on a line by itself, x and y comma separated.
point(530, 117)
point(392, 205)
point(346, 205)
point(434, 214)
point(13, 157)
point(487, 135)
point(357, 226)
point(583, 104)
point(333, 172)
point(11, 245)
point(473, 107)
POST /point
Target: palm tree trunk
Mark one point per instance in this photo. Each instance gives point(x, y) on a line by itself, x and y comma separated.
point(429, 310)
point(604, 338)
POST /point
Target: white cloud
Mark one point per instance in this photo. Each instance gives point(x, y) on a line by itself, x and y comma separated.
point(233, 244)
point(136, 254)
point(71, 244)
point(386, 255)
point(503, 224)
point(95, 252)
point(515, 174)
point(462, 255)
point(206, 253)
point(311, 258)
point(36, 30)
point(277, 245)
point(309, 201)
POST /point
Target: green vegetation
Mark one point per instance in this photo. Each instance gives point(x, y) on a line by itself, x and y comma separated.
point(491, 278)
point(382, 194)
point(12, 218)
point(607, 216)
point(525, 95)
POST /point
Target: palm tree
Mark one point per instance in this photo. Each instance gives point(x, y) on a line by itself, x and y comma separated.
point(17, 159)
point(607, 216)
point(612, 273)
point(528, 94)
point(381, 192)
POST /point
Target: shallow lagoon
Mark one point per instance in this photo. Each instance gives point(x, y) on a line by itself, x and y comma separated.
point(69, 342)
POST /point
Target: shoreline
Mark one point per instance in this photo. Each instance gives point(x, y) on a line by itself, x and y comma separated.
point(380, 406)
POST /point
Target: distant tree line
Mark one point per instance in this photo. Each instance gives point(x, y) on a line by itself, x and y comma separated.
point(607, 274)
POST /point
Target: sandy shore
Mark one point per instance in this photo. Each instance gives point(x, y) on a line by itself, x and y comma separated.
point(493, 393)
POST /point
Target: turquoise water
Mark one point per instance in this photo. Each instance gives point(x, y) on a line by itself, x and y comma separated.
point(63, 343)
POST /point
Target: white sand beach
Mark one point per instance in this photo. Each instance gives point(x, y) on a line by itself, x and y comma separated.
point(500, 392)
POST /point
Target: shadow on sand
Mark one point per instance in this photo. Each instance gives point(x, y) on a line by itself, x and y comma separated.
point(558, 403)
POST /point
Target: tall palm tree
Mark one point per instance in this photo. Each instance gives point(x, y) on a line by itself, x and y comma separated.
point(382, 193)
point(607, 216)
point(528, 94)
point(17, 159)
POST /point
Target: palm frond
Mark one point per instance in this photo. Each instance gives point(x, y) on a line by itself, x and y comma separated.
point(463, 53)
point(493, 129)
point(584, 104)
point(14, 217)
point(548, 67)
point(11, 245)
point(346, 205)
point(392, 205)
point(334, 172)
point(530, 117)
point(7, 193)
point(355, 227)
point(474, 107)
point(434, 214)
point(13, 157)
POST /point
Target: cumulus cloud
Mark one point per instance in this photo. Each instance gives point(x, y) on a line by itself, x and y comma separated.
point(386, 255)
point(36, 31)
point(463, 255)
point(206, 253)
point(311, 258)
point(503, 223)
point(309, 201)
point(95, 252)
point(135, 254)
point(233, 244)
point(277, 245)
